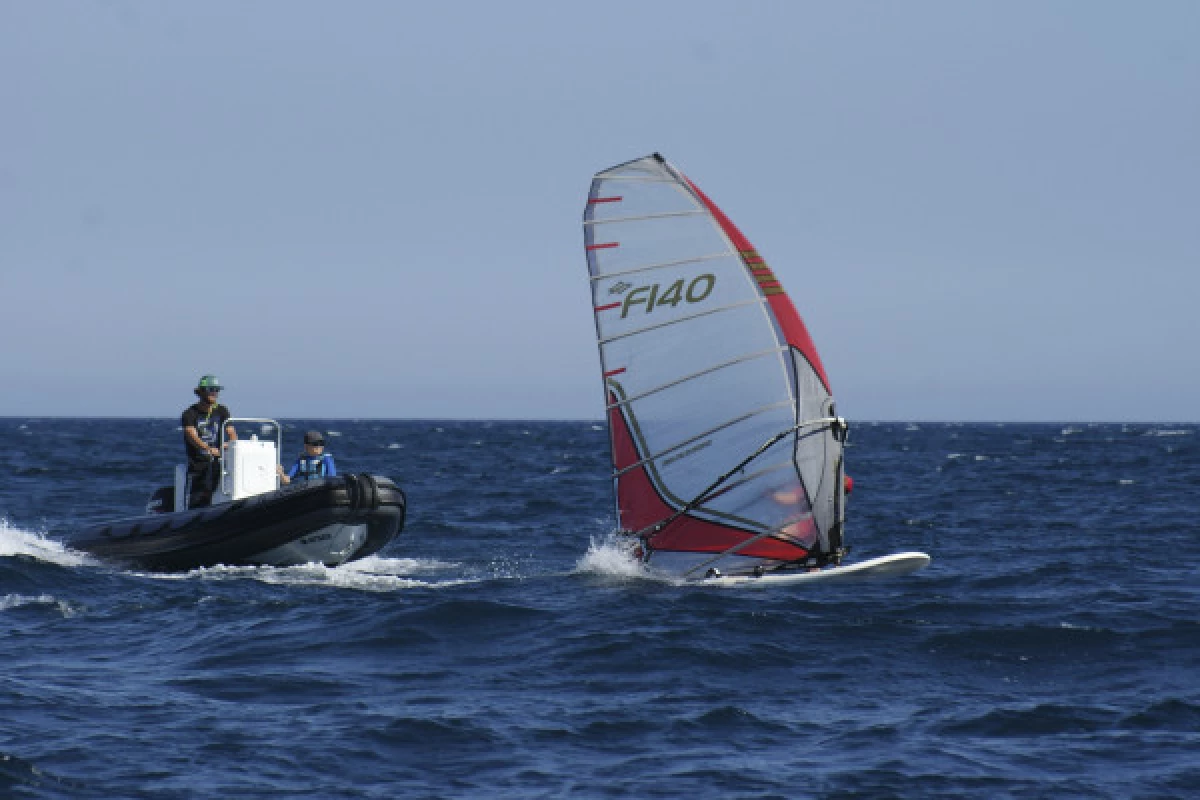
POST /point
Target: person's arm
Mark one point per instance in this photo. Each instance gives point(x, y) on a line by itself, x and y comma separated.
point(291, 473)
point(194, 438)
point(330, 469)
point(283, 476)
point(230, 431)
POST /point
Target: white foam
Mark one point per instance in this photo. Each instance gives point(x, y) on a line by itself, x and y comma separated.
point(18, 542)
point(612, 555)
point(1170, 433)
point(9, 601)
point(372, 574)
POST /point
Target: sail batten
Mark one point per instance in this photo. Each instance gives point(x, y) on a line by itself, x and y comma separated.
point(667, 451)
point(680, 262)
point(643, 217)
point(638, 179)
point(706, 367)
point(732, 362)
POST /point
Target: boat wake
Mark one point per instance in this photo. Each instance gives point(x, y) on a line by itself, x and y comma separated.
point(19, 542)
point(372, 574)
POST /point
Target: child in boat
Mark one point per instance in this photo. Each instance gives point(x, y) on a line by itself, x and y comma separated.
point(314, 462)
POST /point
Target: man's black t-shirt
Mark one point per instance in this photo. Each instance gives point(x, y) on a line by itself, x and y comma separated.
point(208, 424)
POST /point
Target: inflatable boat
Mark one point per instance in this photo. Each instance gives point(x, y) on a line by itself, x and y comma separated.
point(253, 520)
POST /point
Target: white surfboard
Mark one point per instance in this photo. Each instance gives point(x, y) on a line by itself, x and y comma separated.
point(883, 566)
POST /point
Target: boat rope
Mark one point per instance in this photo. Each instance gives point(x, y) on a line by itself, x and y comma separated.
point(838, 423)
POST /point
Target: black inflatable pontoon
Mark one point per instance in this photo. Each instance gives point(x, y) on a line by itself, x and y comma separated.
point(329, 521)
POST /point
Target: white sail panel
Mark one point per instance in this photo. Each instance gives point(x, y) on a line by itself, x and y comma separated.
point(663, 294)
point(628, 244)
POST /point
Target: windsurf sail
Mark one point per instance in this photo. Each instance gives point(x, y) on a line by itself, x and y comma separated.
point(726, 446)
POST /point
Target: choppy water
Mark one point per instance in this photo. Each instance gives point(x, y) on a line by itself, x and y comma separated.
point(501, 649)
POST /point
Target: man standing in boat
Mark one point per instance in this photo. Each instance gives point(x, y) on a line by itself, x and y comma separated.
point(202, 422)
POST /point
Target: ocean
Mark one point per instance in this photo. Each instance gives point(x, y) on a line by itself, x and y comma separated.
point(504, 646)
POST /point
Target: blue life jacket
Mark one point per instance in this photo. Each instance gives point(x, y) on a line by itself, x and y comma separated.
point(307, 467)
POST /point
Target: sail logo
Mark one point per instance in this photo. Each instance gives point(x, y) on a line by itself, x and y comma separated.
point(654, 296)
point(619, 287)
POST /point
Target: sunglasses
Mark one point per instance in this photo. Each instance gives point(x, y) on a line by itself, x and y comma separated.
point(315, 444)
point(212, 391)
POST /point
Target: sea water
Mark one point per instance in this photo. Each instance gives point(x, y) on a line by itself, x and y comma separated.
point(506, 646)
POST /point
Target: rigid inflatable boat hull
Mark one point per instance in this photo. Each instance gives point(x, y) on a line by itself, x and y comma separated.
point(328, 521)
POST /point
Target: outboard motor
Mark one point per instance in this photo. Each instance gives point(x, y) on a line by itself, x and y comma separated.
point(162, 501)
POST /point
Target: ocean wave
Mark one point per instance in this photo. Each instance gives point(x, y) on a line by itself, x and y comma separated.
point(726, 719)
point(1170, 714)
point(1035, 720)
point(19, 772)
point(453, 732)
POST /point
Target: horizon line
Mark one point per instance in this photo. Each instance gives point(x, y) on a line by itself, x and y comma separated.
point(601, 420)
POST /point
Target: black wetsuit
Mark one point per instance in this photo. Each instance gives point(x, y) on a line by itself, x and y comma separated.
point(203, 469)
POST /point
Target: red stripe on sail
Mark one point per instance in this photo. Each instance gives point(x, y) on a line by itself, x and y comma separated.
point(640, 505)
point(607, 307)
point(604, 246)
point(785, 313)
point(595, 200)
point(610, 373)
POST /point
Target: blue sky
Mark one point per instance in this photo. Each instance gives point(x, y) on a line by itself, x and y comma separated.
point(372, 209)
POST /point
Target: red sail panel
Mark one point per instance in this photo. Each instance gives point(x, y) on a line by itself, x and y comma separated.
point(641, 505)
point(781, 305)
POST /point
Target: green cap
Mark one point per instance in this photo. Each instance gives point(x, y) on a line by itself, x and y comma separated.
point(209, 382)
